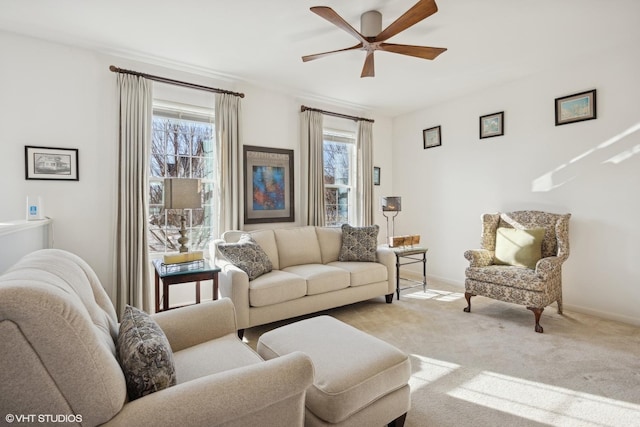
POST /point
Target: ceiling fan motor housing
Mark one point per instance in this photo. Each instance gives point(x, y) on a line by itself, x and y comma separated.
point(371, 23)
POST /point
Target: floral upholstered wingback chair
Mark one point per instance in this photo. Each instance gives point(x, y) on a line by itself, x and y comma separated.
point(520, 260)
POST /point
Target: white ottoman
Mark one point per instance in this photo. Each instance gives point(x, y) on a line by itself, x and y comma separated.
point(359, 380)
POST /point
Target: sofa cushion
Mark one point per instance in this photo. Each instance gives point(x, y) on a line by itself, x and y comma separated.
point(363, 273)
point(248, 256)
point(516, 247)
point(508, 276)
point(275, 287)
point(359, 243)
point(330, 240)
point(321, 278)
point(267, 241)
point(144, 354)
point(195, 361)
point(297, 246)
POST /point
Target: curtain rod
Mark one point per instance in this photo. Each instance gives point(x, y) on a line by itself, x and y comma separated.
point(174, 82)
point(329, 113)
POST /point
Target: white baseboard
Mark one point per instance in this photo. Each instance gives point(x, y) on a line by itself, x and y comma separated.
point(570, 307)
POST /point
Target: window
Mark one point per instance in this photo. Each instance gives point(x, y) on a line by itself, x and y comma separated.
point(183, 146)
point(339, 181)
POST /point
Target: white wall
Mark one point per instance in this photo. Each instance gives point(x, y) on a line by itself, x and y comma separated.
point(589, 169)
point(59, 96)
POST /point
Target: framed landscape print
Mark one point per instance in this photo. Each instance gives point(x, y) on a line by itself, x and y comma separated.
point(576, 108)
point(60, 164)
point(376, 175)
point(432, 137)
point(268, 184)
point(492, 125)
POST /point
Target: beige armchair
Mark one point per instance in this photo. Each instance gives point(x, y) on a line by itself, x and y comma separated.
point(58, 331)
point(499, 269)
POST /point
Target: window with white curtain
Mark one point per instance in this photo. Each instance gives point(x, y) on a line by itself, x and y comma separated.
point(339, 152)
point(183, 146)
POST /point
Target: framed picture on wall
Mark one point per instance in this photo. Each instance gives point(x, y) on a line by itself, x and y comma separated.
point(60, 164)
point(492, 125)
point(576, 108)
point(376, 175)
point(432, 137)
point(268, 185)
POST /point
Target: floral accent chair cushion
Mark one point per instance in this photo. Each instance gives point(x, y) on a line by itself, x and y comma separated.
point(248, 256)
point(359, 243)
point(533, 284)
point(144, 354)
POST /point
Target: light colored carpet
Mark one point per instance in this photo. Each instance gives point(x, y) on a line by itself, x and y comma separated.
point(490, 368)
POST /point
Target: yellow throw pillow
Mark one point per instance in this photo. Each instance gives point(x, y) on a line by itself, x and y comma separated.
point(521, 248)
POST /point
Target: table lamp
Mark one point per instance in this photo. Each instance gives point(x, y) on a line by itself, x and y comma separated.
point(391, 204)
point(182, 193)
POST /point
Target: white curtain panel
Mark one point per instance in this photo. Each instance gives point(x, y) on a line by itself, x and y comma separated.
point(229, 149)
point(364, 184)
point(312, 168)
point(133, 284)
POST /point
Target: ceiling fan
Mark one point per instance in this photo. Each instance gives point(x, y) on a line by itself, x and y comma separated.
point(372, 38)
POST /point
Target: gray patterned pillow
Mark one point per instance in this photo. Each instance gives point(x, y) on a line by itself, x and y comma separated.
point(144, 354)
point(248, 256)
point(359, 243)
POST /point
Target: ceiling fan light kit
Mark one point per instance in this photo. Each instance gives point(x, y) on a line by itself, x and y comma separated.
point(371, 36)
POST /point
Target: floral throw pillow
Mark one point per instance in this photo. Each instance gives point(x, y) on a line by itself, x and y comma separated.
point(359, 243)
point(144, 353)
point(248, 256)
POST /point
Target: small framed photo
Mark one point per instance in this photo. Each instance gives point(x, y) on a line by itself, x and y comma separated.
point(432, 137)
point(576, 108)
point(492, 125)
point(376, 175)
point(60, 164)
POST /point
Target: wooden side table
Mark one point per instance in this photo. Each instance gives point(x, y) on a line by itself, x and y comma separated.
point(415, 254)
point(171, 274)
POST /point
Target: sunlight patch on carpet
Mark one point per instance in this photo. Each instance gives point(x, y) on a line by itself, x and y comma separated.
point(546, 403)
point(435, 294)
point(427, 370)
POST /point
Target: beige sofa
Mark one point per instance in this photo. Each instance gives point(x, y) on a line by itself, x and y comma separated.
point(307, 276)
point(58, 331)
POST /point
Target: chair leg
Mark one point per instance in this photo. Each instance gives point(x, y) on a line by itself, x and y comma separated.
point(559, 301)
point(537, 312)
point(398, 422)
point(468, 296)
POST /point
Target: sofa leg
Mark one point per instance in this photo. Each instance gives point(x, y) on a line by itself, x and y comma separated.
point(398, 422)
point(240, 333)
point(468, 296)
point(389, 298)
point(537, 312)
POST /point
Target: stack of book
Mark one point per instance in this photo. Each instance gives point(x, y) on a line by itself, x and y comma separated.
point(185, 261)
point(183, 257)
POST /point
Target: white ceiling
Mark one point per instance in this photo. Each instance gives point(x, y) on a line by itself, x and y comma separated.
point(262, 41)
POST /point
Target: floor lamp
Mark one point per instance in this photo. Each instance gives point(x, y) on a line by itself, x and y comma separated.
point(182, 193)
point(391, 204)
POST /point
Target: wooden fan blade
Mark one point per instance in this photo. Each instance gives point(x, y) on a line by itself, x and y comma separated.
point(323, 54)
point(424, 52)
point(419, 11)
point(367, 70)
point(331, 16)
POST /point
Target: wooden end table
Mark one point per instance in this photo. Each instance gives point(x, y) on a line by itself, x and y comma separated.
point(171, 274)
point(415, 254)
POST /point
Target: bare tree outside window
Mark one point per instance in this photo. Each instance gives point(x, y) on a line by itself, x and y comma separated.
point(338, 181)
point(183, 146)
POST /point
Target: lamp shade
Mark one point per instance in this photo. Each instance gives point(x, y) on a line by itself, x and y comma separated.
point(391, 204)
point(182, 193)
